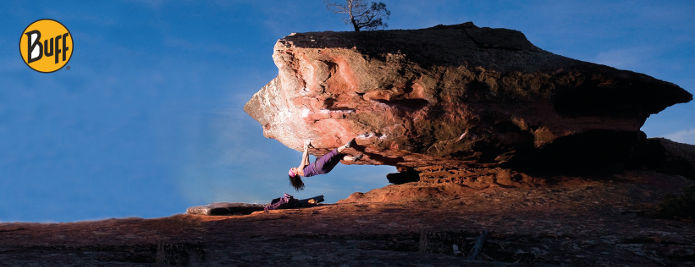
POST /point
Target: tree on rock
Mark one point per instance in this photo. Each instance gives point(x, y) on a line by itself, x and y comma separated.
point(362, 14)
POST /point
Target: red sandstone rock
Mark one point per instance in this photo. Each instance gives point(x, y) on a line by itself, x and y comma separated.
point(576, 221)
point(453, 96)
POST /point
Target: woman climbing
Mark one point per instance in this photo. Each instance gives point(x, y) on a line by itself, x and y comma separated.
point(322, 165)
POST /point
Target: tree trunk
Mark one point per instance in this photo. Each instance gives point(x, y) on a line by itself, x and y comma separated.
point(354, 24)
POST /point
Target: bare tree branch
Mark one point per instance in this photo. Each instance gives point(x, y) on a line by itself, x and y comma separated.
point(361, 13)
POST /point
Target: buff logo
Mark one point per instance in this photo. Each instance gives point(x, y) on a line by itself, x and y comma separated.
point(46, 45)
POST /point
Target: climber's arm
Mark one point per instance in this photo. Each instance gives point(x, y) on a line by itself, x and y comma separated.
point(305, 160)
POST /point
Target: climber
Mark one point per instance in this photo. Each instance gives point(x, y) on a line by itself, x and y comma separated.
point(322, 165)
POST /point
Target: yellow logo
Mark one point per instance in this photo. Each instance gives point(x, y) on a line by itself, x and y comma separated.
point(46, 45)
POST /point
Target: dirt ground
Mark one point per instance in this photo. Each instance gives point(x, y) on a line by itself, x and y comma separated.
point(576, 221)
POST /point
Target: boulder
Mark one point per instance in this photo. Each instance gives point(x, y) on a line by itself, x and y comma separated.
point(453, 96)
point(665, 156)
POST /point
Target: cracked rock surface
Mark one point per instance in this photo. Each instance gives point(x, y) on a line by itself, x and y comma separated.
point(452, 96)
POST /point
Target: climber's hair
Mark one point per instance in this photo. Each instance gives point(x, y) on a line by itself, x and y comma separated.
point(296, 182)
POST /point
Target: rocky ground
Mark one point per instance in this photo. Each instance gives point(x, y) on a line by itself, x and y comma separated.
point(605, 220)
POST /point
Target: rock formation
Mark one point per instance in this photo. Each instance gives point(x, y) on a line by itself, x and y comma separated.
point(577, 222)
point(454, 96)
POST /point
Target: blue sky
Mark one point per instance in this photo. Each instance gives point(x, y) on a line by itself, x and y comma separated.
point(149, 121)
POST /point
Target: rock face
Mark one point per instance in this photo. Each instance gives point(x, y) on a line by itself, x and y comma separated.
point(454, 96)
